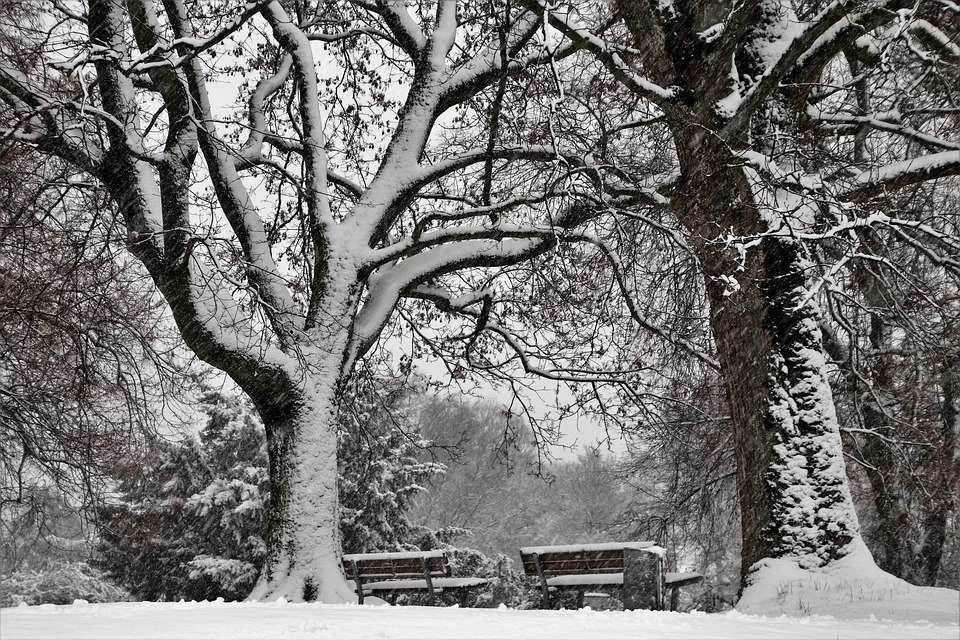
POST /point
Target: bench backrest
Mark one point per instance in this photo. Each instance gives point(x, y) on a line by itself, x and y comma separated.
point(403, 564)
point(577, 559)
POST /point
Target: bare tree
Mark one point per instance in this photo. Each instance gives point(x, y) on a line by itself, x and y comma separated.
point(80, 363)
point(426, 162)
point(284, 240)
point(758, 105)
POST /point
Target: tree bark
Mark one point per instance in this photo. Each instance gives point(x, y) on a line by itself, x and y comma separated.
point(298, 403)
point(795, 500)
point(303, 534)
point(792, 477)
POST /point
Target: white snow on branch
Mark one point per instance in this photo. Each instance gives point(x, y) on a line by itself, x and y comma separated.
point(390, 282)
point(252, 149)
point(222, 319)
point(567, 24)
point(933, 38)
point(890, 121)
point(925, 165)
point(398, 9)
point(711, 33)
point(490, 56)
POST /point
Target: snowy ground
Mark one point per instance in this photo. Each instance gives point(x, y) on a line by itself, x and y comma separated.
point(852, 600)
point(244, 620)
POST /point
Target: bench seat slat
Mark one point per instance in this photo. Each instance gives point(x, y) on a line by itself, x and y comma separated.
point(459, 583)
point(682, 579)
point(438, 584)
point(586, 580)
point(396, 585)
point(394, 555)
point(673, 579)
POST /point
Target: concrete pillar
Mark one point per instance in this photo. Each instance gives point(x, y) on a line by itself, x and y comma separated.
point(644, 580)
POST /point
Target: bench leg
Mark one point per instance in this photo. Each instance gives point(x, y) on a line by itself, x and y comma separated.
point(545, 600)
point(579, 599)
point(358, 580)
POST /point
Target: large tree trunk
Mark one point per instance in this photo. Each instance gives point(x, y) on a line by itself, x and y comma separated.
point(793, 484)
point(303, 537)
point(795, 500)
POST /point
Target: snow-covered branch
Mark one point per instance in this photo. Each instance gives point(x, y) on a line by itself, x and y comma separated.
point(37, 121)
point(492, 211)
point(234, 198)
point(156, 52)
point(608, 55)
point(395, 280)
point(890, 122)
point(315, 189)
point(779, 47)
point(424, 175)
point(843, 33)
point(488, 62)
point(252, 150)
point(405, 31)
point(465, 305)
point(876, 180)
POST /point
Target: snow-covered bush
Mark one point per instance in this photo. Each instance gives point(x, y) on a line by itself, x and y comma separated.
point(60, 583)
point(191, 520)
point(505, 584)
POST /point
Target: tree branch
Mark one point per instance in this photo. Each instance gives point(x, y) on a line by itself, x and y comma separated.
point(876, 180)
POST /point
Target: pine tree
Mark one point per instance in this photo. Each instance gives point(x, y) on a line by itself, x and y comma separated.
point(379, 475)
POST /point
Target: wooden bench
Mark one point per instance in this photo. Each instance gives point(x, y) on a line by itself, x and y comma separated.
point(604, 566)
point(389, 573)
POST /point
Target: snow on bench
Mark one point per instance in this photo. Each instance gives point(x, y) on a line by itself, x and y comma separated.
point(403, 571)
point(604, 565)
point(394, 555)
point(589, 546)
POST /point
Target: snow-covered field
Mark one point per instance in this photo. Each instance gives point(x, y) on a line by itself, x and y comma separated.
point(280, 620)
point(853, 601)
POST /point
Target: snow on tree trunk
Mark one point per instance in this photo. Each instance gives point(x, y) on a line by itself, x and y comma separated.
point(792, 480)
point(813, 515)
point(791, 474)
point(303, 536)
